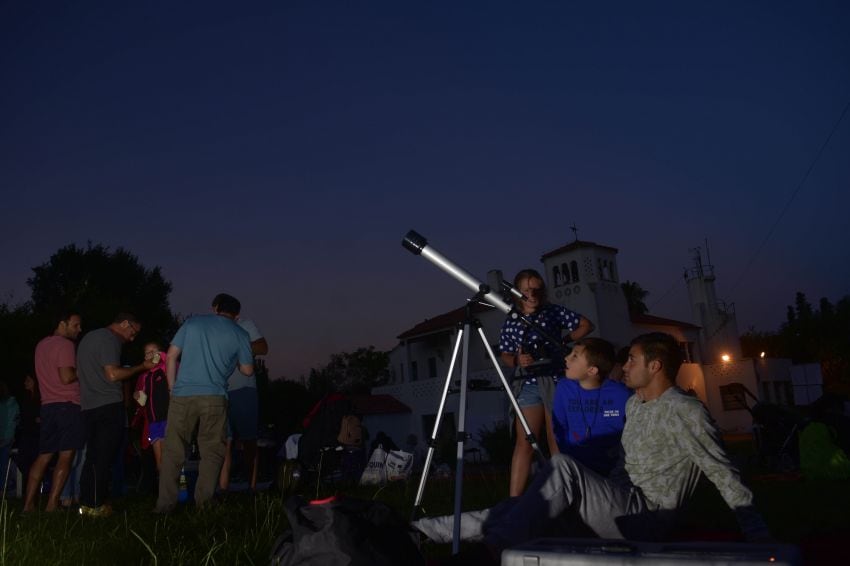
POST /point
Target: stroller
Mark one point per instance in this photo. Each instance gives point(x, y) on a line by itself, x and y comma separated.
point(330, 450)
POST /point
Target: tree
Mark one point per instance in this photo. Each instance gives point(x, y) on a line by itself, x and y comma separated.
point(635, 295)
point(351, 372)
point(753, 343)
point(100, 283)
point(810, 335)
point(96, 282)
point(19, 333)
point(285, 404)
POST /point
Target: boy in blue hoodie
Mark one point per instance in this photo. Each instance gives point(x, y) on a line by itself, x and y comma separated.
point(589, 410)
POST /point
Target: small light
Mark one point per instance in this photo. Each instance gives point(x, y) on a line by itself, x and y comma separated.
point(761, 355)
point(725, 357)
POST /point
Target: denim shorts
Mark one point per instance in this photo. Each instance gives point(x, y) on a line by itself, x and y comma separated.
point(529, 395)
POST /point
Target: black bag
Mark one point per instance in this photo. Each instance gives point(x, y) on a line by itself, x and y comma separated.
point(344, 531)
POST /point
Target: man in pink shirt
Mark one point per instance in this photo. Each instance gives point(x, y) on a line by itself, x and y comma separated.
point(61, 420)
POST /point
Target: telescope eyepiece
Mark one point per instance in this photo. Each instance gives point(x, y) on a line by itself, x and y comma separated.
point(414, 242)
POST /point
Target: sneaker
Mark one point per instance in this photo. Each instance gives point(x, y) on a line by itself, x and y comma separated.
point(102, 511)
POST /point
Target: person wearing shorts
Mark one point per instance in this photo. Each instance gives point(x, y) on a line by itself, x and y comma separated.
point(152, 395)
point(537, 365)
point(242, 412)
point(62, 430)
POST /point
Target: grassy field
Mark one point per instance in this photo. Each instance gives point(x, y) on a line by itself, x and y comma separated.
point(243, 528)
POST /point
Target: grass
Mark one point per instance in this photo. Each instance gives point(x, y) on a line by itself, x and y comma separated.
point(239, 532)
point(243, 529)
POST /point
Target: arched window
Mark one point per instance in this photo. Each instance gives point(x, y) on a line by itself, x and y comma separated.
point(556, 276)
point(574, 271)
point(566, 273)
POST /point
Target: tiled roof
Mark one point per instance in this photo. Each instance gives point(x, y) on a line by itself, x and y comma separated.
point(442, 321)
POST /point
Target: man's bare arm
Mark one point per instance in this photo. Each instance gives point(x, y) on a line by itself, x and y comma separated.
point(171, 365)
point(67, 375)
point(115, 373)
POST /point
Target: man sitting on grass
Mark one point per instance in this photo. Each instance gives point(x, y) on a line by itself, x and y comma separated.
point(668, 441)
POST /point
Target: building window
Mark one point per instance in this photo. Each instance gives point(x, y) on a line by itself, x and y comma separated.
point(574, 271)
point(414, 371)
point(565, 273)
point(401, 373)
point(432, 367)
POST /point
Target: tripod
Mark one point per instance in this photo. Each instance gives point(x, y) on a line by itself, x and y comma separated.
point(462, 340)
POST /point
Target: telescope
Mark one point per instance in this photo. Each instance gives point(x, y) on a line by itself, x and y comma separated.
point(417, 244)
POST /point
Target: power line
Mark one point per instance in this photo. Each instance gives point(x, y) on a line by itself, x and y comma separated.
point(790, 200)
point(663, 296)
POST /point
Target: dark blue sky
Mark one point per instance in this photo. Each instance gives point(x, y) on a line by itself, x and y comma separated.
point(279, 151)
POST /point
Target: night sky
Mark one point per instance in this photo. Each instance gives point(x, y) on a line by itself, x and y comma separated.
point(279, 151)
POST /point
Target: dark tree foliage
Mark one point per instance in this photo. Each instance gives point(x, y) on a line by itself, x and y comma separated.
point(97, 283)
point(19, 333)
point(810, 335)
point(635, 296)
point(100, 283)
point(351, 372)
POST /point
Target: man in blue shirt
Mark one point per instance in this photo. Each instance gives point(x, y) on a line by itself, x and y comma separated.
point(210, 348)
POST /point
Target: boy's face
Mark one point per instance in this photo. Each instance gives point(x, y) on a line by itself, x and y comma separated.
point(578, 367)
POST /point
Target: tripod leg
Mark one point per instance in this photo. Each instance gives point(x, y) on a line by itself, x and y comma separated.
point(528, 434)
point(433, 439)
point(461, 439)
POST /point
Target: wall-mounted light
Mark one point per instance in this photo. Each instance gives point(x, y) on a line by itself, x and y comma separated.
point(726, 357)
point(761, 355)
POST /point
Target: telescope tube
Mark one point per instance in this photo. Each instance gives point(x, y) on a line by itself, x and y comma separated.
point(416, 244)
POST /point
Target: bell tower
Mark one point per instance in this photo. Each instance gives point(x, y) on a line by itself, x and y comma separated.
point(583, 277)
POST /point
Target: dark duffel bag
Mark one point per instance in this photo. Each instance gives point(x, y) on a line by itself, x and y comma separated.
point(344, 531)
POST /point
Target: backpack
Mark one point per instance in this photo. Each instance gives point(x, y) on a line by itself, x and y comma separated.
point(344, 531)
